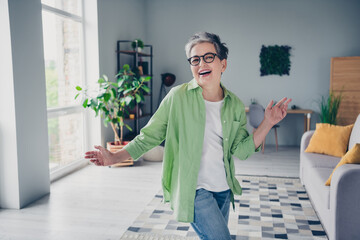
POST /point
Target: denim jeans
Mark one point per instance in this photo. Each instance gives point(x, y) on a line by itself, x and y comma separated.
point(211, 214)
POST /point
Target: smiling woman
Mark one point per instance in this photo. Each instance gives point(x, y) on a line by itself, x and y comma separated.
point(204, 125)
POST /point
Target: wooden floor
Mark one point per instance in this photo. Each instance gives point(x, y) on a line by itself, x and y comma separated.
point(100, 202)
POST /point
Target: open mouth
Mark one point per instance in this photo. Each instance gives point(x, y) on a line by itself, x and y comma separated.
point(204, 73)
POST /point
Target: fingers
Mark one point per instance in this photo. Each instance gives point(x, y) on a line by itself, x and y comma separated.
point(285, 105)
point(270, 104)
point(281, 102)
point(90, 152)
point(287, 102)
point(101, 149)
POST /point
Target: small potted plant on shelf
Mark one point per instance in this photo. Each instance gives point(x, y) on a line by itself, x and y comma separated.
point(113, 101)
point(137, 45)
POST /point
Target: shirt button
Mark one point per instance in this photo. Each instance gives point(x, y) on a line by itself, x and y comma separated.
point(226, 139)
point(224, 121)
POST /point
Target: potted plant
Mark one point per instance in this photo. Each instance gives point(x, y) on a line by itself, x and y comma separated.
point(329, 108)
point(114, 99)
point(143, 67)
point(137, 45)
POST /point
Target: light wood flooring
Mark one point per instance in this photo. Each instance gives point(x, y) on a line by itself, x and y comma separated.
point(101, 202)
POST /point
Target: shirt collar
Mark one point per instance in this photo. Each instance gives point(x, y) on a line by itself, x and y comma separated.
point(193, 85)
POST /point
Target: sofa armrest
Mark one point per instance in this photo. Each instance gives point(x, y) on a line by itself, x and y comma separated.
point(305, 139)
point(344, 201)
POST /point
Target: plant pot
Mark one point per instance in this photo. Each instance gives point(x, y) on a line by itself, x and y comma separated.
point(113, 147)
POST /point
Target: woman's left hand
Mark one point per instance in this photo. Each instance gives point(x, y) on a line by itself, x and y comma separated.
point(274, 114)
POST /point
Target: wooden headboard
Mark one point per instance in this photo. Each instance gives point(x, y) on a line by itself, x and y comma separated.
point(345, 77)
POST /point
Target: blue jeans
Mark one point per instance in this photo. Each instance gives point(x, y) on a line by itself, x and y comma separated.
point(211, 214)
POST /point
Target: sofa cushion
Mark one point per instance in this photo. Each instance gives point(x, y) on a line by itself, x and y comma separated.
point(330, 139)
point(355, 133)
point(352, 156)
point(320, 194)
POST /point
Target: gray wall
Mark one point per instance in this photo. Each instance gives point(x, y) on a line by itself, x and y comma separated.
point(316, 31)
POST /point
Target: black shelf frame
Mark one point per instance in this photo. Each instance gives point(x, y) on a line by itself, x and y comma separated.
point(136, 56)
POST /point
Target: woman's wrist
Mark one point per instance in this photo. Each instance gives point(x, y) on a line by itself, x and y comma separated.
point(121, 156)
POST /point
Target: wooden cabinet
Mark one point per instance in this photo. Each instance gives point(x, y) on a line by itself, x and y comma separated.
point(345, 78)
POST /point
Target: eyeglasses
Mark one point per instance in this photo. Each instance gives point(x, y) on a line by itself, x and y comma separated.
point(208, 58)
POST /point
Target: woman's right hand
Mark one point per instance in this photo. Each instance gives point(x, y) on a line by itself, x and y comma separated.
point(102, 157)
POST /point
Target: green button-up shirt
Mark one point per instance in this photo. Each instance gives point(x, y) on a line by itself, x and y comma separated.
point(180, 119)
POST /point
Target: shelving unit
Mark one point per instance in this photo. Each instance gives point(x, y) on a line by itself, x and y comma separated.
point(147, 54)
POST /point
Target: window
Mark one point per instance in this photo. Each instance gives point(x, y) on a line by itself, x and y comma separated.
point(64, 68)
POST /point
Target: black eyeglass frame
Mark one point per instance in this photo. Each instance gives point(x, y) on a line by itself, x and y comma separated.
point(203, 57)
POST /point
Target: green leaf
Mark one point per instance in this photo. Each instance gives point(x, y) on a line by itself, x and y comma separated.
point(145, 88)
point(128, 90)
point(138, 98)
point(77, 95)
point(113, 93)
point(147, 79)
point(85, 103)
point(78, 88)
point(106, 78)
point(114, 84)
point(128, 127)
point(100, 95)
point(120, 82)
point(126, 67)
point(101, 80)
point(107, 96)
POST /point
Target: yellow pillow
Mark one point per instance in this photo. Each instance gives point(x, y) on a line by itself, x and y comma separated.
point(352, 156)
point(330, 139)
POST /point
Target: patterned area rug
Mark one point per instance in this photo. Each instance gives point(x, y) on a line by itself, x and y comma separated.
point(269, 208)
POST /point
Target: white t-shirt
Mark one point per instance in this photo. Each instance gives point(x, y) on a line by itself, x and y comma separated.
point(212, 176)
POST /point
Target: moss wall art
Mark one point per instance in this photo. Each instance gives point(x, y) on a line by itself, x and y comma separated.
point(275, 60)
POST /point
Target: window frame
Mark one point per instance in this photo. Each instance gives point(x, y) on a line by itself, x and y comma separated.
point(54, 112)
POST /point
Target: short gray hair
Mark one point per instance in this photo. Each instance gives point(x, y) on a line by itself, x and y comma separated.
point(200, 37)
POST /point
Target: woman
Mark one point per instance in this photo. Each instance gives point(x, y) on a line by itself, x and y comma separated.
point(204, 125)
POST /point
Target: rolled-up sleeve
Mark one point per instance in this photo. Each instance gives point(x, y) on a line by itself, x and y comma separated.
point(243, 145)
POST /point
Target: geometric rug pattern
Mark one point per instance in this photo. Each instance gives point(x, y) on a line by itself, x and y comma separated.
point(269, 208)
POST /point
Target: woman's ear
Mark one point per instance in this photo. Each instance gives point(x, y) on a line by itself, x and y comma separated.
point(223, 65)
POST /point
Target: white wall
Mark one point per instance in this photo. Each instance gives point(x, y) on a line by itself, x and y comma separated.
point(316, 31)
point(9, 181)
point(23, 123)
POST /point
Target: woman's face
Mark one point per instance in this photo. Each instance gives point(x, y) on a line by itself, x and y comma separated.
point(207, 74)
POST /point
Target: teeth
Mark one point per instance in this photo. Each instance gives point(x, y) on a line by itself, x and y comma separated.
point(202, 73)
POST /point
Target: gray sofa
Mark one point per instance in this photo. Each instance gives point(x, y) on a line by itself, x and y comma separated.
point(337, 205)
